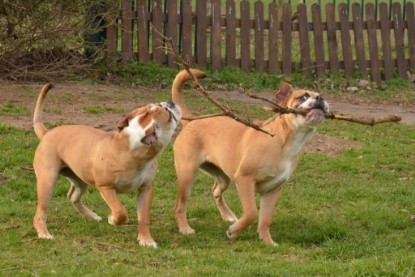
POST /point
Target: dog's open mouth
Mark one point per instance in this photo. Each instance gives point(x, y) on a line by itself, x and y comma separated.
point(315, 114)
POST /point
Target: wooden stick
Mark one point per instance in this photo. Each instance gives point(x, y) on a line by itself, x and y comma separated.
point(330, 115)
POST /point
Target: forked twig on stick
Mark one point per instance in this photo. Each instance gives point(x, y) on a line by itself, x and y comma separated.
point(226, 111)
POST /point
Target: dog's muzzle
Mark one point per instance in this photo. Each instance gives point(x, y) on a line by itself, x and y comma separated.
point(173, 110)
point(318, 110)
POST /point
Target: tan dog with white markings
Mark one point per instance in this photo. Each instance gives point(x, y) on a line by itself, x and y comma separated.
point(113, 162)
point(230, 151)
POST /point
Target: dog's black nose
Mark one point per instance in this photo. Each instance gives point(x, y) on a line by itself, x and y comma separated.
point(319, 102)
point(171, 104)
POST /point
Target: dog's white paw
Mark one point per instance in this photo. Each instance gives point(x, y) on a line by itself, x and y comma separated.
point(148, 243)
point(187, 231)
point(45, 236)
point(231, 219)
point(96, 218)
point(230, 235)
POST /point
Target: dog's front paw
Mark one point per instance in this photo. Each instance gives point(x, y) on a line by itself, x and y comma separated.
point(46, 235)
point(186, 230)
point(120, 220)
point(147, 243)
point(230, 235)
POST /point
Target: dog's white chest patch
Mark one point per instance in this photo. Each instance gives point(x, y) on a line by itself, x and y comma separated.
point(275, 180)
point(134, 180)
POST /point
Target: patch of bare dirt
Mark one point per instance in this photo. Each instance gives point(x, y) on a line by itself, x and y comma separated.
point(66, 103)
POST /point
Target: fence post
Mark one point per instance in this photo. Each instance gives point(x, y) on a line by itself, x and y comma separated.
point(304, 39)
point(230, 33)
point(372, 39)
point(411, 33)
point(172, 30)
point(245, 36)
point(273, 38)
point(216, 37)
point(358, 37)
point(386, 42)
point(398, 27)
point(127, 32)
point(318, 39)
point(286, 39)
point(345, 38)
point(259, 36)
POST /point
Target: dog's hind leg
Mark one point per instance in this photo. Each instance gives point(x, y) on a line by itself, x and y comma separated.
point(45, 186)
point(185, 177)
point(219, 187)
point(78, 188)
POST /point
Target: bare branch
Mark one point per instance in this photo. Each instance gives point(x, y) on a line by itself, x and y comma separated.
point(363, 120)
point(226, 111)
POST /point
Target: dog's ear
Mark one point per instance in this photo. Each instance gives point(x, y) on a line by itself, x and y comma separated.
point(283, 93)
point(123, 123)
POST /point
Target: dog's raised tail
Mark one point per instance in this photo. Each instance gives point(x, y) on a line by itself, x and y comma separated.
point(177, 89)
point(39, 127)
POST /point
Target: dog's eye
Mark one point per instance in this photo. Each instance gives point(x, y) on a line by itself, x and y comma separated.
point(304, 97)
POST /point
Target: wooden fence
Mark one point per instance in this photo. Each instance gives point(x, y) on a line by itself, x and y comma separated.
point(278, 42)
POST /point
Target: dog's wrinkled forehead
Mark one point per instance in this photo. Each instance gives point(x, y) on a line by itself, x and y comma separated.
point(301, 96)
point(147, 115)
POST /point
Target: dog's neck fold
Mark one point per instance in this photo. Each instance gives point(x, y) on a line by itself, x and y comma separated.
point(290, 134)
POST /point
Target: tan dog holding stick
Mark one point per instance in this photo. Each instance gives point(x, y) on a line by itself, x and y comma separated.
point(230, 151)
point(113, 162)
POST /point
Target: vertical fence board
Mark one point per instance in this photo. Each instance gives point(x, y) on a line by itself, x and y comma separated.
point(286, 39)
point(201, 38)
point(304, 39)
point(230, 33)
point(127, 32)
point(332, 38)
point(142, 31)
point(386, 43)
point(157, 31)
point(245, 36)
point(111, 33)
point(398, 28)
point(358, 37)
point(373, 44)
point(273, 39)
point(259, 36)
point(172, 30)
point(187, 31)
point(345, 38)
point(318, 39)
point(215, 45)
point(411, 33)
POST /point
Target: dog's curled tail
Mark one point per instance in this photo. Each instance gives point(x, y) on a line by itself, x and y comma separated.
point(40, 129)
point(177, 89)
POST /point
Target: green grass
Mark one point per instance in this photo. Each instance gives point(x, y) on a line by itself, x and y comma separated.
point(103, 109)
point(343, 215)
point(231, 78)
point(13, 109)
